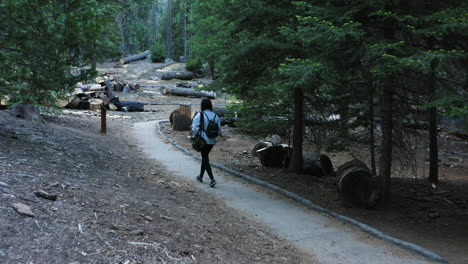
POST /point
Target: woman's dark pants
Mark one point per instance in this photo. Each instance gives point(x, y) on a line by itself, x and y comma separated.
point(205, 165)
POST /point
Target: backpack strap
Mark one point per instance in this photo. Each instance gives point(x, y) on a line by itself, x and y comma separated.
point(209, 118)
point(202, 125)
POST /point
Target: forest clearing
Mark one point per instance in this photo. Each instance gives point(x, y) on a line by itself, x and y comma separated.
point(80, 161)
point(352, 110)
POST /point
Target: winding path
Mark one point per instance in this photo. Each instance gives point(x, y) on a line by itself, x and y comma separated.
point(329, 240)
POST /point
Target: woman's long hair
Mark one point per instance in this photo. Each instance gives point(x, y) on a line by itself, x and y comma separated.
point(206, 104)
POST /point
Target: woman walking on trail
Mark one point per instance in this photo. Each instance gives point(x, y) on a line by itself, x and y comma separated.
point(207, 125)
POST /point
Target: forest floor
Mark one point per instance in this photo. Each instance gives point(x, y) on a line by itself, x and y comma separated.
point(114, 205)
point(140, 206)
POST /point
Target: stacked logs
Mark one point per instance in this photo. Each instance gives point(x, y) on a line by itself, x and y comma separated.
point(92, 96)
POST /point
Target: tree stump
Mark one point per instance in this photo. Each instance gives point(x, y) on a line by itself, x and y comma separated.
point(95, 104)
point(186, 110)
point(181, 123)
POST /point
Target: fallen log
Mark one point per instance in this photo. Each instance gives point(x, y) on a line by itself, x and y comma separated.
point(73, 102)
point(4, 102)
point(355, 186)
point(177, 75)
point(187, 92)
point(317, 165)
point(119, 86)
point(126, 89)
point(109, 89)
point(128, 106)
point(91, 87)
point(272, 156)
point(134, 86)
point(140, 56)
point(260, 145)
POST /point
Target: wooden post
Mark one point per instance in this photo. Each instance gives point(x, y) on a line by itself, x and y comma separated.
point(103, 120)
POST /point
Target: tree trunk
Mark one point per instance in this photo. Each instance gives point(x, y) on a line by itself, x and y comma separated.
point(387, 144)
point(169, 29)
point(94, 59)
point(185, 31)
point(371, 129)
point(433, 142)
point(187, 92)
point(140, 56)
point(177, 75)
point(296, 161)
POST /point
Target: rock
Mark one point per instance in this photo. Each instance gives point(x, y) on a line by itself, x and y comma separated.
point(168, 60)
point(455, 159)
point(146, 217)
point(28, 112)
point(434, 215)
point(154, 78)
point(126, 89)
point(2, 254)
point(112, 107)
point(136, 232)
point(46, 195)
point(23, 209)
point(274, 139)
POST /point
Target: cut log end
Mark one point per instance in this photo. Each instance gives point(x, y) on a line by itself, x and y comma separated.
point(354, 182)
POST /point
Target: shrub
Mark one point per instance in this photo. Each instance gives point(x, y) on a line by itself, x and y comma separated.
point(193, 65)
point(158, 53)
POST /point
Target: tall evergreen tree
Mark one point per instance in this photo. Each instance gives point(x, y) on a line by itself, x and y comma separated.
point(45, 54)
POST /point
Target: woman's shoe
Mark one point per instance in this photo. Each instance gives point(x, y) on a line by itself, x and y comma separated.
point(200, 179)
point(212, 183)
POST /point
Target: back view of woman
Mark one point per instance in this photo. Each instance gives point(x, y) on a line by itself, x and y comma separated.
point(204, 124)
